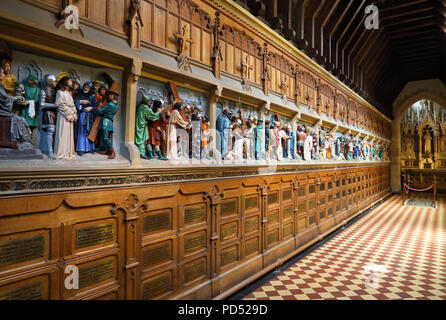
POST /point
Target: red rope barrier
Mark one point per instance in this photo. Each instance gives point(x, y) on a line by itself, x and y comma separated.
point(418, 190)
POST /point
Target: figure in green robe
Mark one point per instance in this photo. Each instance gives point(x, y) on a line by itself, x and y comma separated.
point(258, 132)
point(144, 114)
point(106, 126)
point(32, 93)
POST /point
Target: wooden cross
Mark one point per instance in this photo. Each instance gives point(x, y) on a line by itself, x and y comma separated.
point(265, 74)
point(182, 40)
point(246, 68)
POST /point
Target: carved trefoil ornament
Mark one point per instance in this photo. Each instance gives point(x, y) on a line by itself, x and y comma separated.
point(135, 24)
point(183, 40)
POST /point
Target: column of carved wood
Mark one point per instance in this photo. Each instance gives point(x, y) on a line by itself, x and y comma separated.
point(295, 186)
point(132, 209)
point(214, 197)
point(263, 190)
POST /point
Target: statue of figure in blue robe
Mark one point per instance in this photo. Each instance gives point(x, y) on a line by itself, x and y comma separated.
point(258, 133)
point(85, 103)
point(223, 126)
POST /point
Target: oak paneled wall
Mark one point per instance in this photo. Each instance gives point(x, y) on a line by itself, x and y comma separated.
point(268, 65)
point(195, 240)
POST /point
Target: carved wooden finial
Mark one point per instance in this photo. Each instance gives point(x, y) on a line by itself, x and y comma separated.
point(217, 31)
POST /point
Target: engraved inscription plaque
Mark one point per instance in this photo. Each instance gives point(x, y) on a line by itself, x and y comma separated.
point(251, 246)
point(312, 204)
point(251, 224)
point(286, 195)
point(312, 219)
point(21, 250)
point(194, 269)
point(30, 291)
point(157, 222)
point(251, 203)
point(158, 253)
point(157, 286)
point(96, 272)
point(301, 191)
point(194, 241)
point(228, 207)
point(273, 236)
point(322, 214)
point(228, 255)
point(94, 235)
point(229, 231)
point(273, 217)
point(195, 213)
point(273, 198)
point(287, 230)
point(287, 213)
point(301, 223)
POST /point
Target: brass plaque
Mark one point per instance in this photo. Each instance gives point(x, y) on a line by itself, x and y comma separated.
point(301, 223)
point(312, 189)
point(195, 213)
point(251, 203)
point(93, 235)
point(273, 236)
point(251, 246)
point(322, 214)
point(312, 204)
point(194, 269)
point(273, 217)
point(301, 191)
point(286, 195)
point(96, 272)
point(273, 198)
point(158, 253)
point(21, 249)
point(251, 224)
point(157, 286)
point(157, 222)
point(228, 255)
point(302, 207)
point(30, 291)
point(287, 230)
point(312, 219)
point(287, 213)
point(229, 231)
point(195, 241)
point(228, 207)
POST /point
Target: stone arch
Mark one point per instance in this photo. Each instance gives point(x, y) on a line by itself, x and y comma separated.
point(432, 90)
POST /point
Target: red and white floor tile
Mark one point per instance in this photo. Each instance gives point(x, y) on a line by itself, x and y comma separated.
point(394, 252)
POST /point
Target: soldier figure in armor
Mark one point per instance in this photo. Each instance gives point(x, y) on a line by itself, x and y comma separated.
point(49, 114)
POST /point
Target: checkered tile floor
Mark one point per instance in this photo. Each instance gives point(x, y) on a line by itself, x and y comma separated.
point(394, 252)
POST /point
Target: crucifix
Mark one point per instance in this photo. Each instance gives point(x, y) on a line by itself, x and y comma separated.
point(217, 31)
point(245, 68)
point(265, 74)
point(183, 40)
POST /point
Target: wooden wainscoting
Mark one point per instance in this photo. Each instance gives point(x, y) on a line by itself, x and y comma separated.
point(194, 240)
